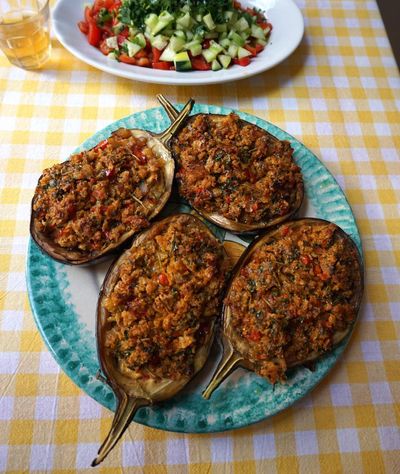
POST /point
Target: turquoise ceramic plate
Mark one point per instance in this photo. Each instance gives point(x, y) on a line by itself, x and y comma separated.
point(63, 301)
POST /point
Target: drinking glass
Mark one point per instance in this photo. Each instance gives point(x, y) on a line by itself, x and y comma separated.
point(24, 32)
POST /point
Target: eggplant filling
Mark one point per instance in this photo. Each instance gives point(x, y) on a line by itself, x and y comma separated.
point(235, 169)
point(165, 300)
point(90, 201)
point(295, 297)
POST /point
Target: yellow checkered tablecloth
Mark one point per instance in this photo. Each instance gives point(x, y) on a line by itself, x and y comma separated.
point(339, 94)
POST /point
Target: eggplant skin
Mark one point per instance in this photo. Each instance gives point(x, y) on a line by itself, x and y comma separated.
point(236, 174)
point(158, 306)
point(91, 204)
point(295, 294)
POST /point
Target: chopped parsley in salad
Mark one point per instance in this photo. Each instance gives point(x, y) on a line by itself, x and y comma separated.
point(179, 35)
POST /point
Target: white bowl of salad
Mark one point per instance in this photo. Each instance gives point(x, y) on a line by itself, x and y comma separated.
point(180, 41)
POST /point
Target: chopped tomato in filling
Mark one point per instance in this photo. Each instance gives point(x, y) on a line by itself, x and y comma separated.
point(294, 295)
point(166, 297)
point(91, 200)
point(236, 170)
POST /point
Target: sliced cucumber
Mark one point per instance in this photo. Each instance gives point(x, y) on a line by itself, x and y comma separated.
point(164, 19)
point(233, 19)
point(225, 43)
point(262, 42)
point(257, 32)
point(159, 42)
point(243, 53)
point(198, 37)
point(151, 21)
point(133, 48)
point(140, 40)
point(225, 60)
point(196, 49)
point(184, 20)
point(209, 22)
point(180, 34)
point(211, 35)
point(212, 52)
point(221, 28)
point(189, 44)
point(215, 65)
point(209, 55)
point(168, 54)
point(236, 38)
point(233, 50)
point(242, 24)
point(216, 47)
point(182, 62)
point(177, 44)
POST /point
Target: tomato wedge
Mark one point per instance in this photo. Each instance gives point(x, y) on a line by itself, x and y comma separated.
point(104, 48)
point(84, 27)
point(251, 49)
point(99, 4)
point(88, 15)
point(94, 34)
point(115, 7)
point(166, 66)
point(141, 54)
point(264, 25)
point(144, 62)
point(200, 64)
point(123, 35)
point(124, 58)
point(243, 61)
point(156, 55)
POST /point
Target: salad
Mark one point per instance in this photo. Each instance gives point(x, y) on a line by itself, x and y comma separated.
point(179, 35)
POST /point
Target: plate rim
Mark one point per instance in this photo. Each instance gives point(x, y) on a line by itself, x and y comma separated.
point(71, 373)
point(182, 79)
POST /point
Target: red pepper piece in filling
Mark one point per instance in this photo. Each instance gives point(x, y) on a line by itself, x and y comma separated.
point(254, 336)
point(163, 279)
point(285, 231)
point(139, 155)
point(94, 34)
point(101, 145)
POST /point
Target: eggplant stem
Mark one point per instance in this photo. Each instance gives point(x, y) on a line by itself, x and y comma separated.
point(228, 364)
point(126, 410)
point(165, 136)
point(168, 107)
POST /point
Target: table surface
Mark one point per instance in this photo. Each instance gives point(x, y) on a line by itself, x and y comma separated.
point(339, 94)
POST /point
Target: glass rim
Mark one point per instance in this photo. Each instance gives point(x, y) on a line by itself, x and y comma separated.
point(25, 20)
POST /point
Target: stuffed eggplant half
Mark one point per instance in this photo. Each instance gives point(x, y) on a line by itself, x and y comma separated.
point(234, 173)
point(295, 295)
point(89, 205)
point(156, 315)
